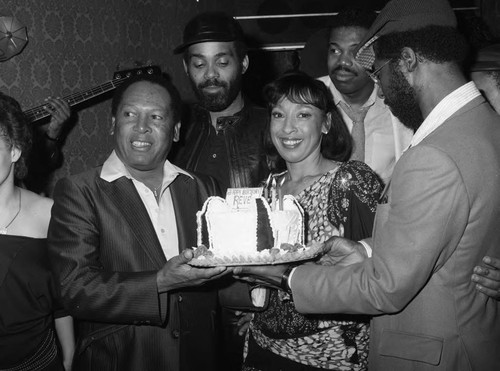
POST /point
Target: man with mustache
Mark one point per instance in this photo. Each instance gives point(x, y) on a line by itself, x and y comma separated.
point(359, 99)
point(223, 135)
point(224, 130)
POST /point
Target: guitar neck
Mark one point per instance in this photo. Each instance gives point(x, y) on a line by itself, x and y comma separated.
point(39, 112)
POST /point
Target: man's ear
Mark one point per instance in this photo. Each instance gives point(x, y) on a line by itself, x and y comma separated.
point(112, 128)
point(244, 64)
point(410, 59)
point(185, 66)
point(177, 132)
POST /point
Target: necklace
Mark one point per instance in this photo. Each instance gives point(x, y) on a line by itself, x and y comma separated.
point(4, 229)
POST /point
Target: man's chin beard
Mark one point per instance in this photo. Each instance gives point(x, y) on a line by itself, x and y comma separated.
point(221, 100)
point(409, 117)
point(403, 102)
point(214, 102)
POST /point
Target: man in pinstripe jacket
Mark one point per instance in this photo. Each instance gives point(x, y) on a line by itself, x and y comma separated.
point(119, 241)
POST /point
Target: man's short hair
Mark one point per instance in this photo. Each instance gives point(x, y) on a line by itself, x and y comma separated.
point(353, 18)
point(437, 44)
point(175, 98)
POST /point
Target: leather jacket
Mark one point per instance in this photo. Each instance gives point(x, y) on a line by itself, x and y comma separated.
point(244, 139)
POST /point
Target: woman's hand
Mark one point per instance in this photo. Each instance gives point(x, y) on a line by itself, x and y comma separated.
point(487, 277)
point(244, 322)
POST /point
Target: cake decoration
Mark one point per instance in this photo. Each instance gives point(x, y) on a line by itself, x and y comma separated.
point(248, 228)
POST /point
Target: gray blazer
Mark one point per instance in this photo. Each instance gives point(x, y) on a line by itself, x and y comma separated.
point(440, 218)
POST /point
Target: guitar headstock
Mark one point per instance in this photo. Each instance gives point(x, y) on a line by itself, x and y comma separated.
point(125, 74)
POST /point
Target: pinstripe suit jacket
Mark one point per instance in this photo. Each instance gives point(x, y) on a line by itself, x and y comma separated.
point(105, 253)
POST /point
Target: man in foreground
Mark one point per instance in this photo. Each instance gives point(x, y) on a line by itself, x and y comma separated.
point(438, 216)
point(119, 241)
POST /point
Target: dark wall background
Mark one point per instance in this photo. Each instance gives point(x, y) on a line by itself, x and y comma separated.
point(74, 45)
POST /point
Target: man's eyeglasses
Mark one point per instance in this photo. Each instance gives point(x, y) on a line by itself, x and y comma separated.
point(374, 75)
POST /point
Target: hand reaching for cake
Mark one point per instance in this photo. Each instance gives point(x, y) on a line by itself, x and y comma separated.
point(177, 273)
point(342, 252)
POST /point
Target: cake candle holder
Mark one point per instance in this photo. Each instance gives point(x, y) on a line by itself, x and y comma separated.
point(266, 187)
point(273, 194)
point(280, 193)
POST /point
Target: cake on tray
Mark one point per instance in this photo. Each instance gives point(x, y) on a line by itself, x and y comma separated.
point(259, 233)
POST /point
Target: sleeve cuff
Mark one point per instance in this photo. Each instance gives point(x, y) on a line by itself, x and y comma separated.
point(258, 296)
point(367, 248)
point(290, 277)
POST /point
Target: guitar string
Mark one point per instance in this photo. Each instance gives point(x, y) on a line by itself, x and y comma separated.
point(33, 112)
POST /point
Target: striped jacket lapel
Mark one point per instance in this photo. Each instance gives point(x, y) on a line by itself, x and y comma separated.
point(126, 199)
point(186, 203)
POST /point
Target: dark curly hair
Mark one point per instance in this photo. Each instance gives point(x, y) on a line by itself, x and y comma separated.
point(298, 87)
point(353, 18)
point(437, 44)
point(15, 131)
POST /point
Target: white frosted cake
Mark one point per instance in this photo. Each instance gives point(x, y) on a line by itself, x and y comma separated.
point(257, 234)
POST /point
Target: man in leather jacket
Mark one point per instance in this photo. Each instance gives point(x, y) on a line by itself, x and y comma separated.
point(223, 135)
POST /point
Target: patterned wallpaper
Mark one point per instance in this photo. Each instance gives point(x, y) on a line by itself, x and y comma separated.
point(74, 45)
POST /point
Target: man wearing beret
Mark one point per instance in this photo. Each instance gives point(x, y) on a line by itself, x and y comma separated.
point(437, 218)
point(222, 136)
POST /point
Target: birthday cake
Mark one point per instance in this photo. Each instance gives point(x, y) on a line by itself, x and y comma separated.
point(257, 233)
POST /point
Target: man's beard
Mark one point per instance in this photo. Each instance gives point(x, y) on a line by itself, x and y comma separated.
point(219, 101)
point(401, 99)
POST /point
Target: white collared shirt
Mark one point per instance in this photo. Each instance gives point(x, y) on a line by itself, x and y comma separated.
point(161, 213)
point(445, 109)
point(385, 136)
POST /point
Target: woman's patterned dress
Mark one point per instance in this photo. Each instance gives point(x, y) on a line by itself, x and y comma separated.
point(280, 338)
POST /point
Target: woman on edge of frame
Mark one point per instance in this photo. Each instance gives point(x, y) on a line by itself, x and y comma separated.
point(34, 328)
